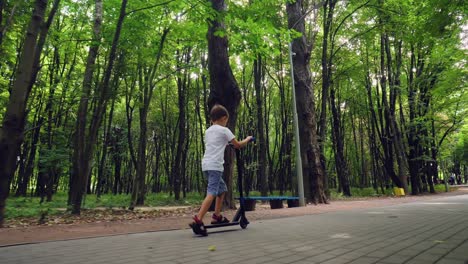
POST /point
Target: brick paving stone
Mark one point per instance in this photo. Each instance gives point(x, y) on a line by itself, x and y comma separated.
point(378, 254)
point(395, 259)
point(290, 259)
point(338, 251)
point(414, 261)
point(364, 260)
point(451, 261)
point(458, 255)
point(337, 260)
point(321, 257)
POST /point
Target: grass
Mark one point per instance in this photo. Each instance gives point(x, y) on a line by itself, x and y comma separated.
point(359, 193)
point(275, 193)
point(30, 206)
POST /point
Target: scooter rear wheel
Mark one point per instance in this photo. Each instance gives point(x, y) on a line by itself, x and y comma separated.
point(198, 229)
point(244, 223)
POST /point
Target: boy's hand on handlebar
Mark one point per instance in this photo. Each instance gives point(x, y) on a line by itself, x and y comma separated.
point(239, 144)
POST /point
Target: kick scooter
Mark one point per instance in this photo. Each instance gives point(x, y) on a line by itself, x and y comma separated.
point(239, 218)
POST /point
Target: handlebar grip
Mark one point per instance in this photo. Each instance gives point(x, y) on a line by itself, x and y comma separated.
point(252, 139)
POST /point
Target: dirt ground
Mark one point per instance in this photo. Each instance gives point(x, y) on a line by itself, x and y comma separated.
point(111, 222)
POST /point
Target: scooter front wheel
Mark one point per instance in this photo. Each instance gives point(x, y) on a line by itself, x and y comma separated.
point(243, 223)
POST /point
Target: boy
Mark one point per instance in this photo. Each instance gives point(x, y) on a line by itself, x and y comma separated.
point(217, 136)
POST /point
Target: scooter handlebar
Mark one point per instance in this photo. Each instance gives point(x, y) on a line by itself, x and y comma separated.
point(252, 139)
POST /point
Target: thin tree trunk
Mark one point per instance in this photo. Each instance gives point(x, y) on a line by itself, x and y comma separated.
point(342, 170)
point(364, 171)
point(328, 8)
point(185, 150)
point(147, 85)
point(102, 170)
point(258, 77)
point(116, 137)
point(413, 141)
point(177, 172)
point(373, 134)
point(31, 157)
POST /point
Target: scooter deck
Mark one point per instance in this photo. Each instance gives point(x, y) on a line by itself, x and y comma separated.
point(222, 224)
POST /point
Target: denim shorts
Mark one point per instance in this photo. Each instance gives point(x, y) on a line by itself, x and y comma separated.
point(216, 185)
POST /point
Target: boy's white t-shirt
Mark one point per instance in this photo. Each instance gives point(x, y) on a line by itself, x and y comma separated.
point(216, 139)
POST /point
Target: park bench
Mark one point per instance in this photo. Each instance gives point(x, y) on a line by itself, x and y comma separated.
point(276, 202)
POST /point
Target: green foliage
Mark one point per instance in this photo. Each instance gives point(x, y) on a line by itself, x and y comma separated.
point(460, 153)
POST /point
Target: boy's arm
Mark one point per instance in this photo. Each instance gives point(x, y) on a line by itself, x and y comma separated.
point(242, 143)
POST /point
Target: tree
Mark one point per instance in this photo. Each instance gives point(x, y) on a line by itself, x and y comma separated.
point(147, 84)
point(86, 143)
point(11, 132)
point(224, 89)
point(310, 149)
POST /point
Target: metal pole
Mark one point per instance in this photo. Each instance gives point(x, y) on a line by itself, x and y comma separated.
point(300, 181)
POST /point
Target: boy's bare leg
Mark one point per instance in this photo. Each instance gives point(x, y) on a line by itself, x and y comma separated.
point(219, 203)
point(205, 206)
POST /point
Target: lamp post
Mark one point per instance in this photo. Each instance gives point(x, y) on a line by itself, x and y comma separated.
point(300, 181)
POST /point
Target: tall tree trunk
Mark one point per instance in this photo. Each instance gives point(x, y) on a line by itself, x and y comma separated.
point(223, 85)
point(394, 83)
point(139, 187)
point(413, 139)
point(147, 85)
point(79, 172)
point(102, 170)
point(12, 130)
point(258, 77)
point(31, 157)
point(328, 9)
point(116, 137)
point(364, 169)
point(310, 149)
point(183, 171)
point(374, 133)
point(177, 174)
point(85, 156)
point(386, 120)
point(341, 166)
point(285, 139)
point(48, 172)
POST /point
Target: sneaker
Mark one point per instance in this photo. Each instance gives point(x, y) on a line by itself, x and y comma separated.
point(218, 219)
point(198, 227)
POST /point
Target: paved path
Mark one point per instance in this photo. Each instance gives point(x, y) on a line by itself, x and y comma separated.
point(432, 231)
